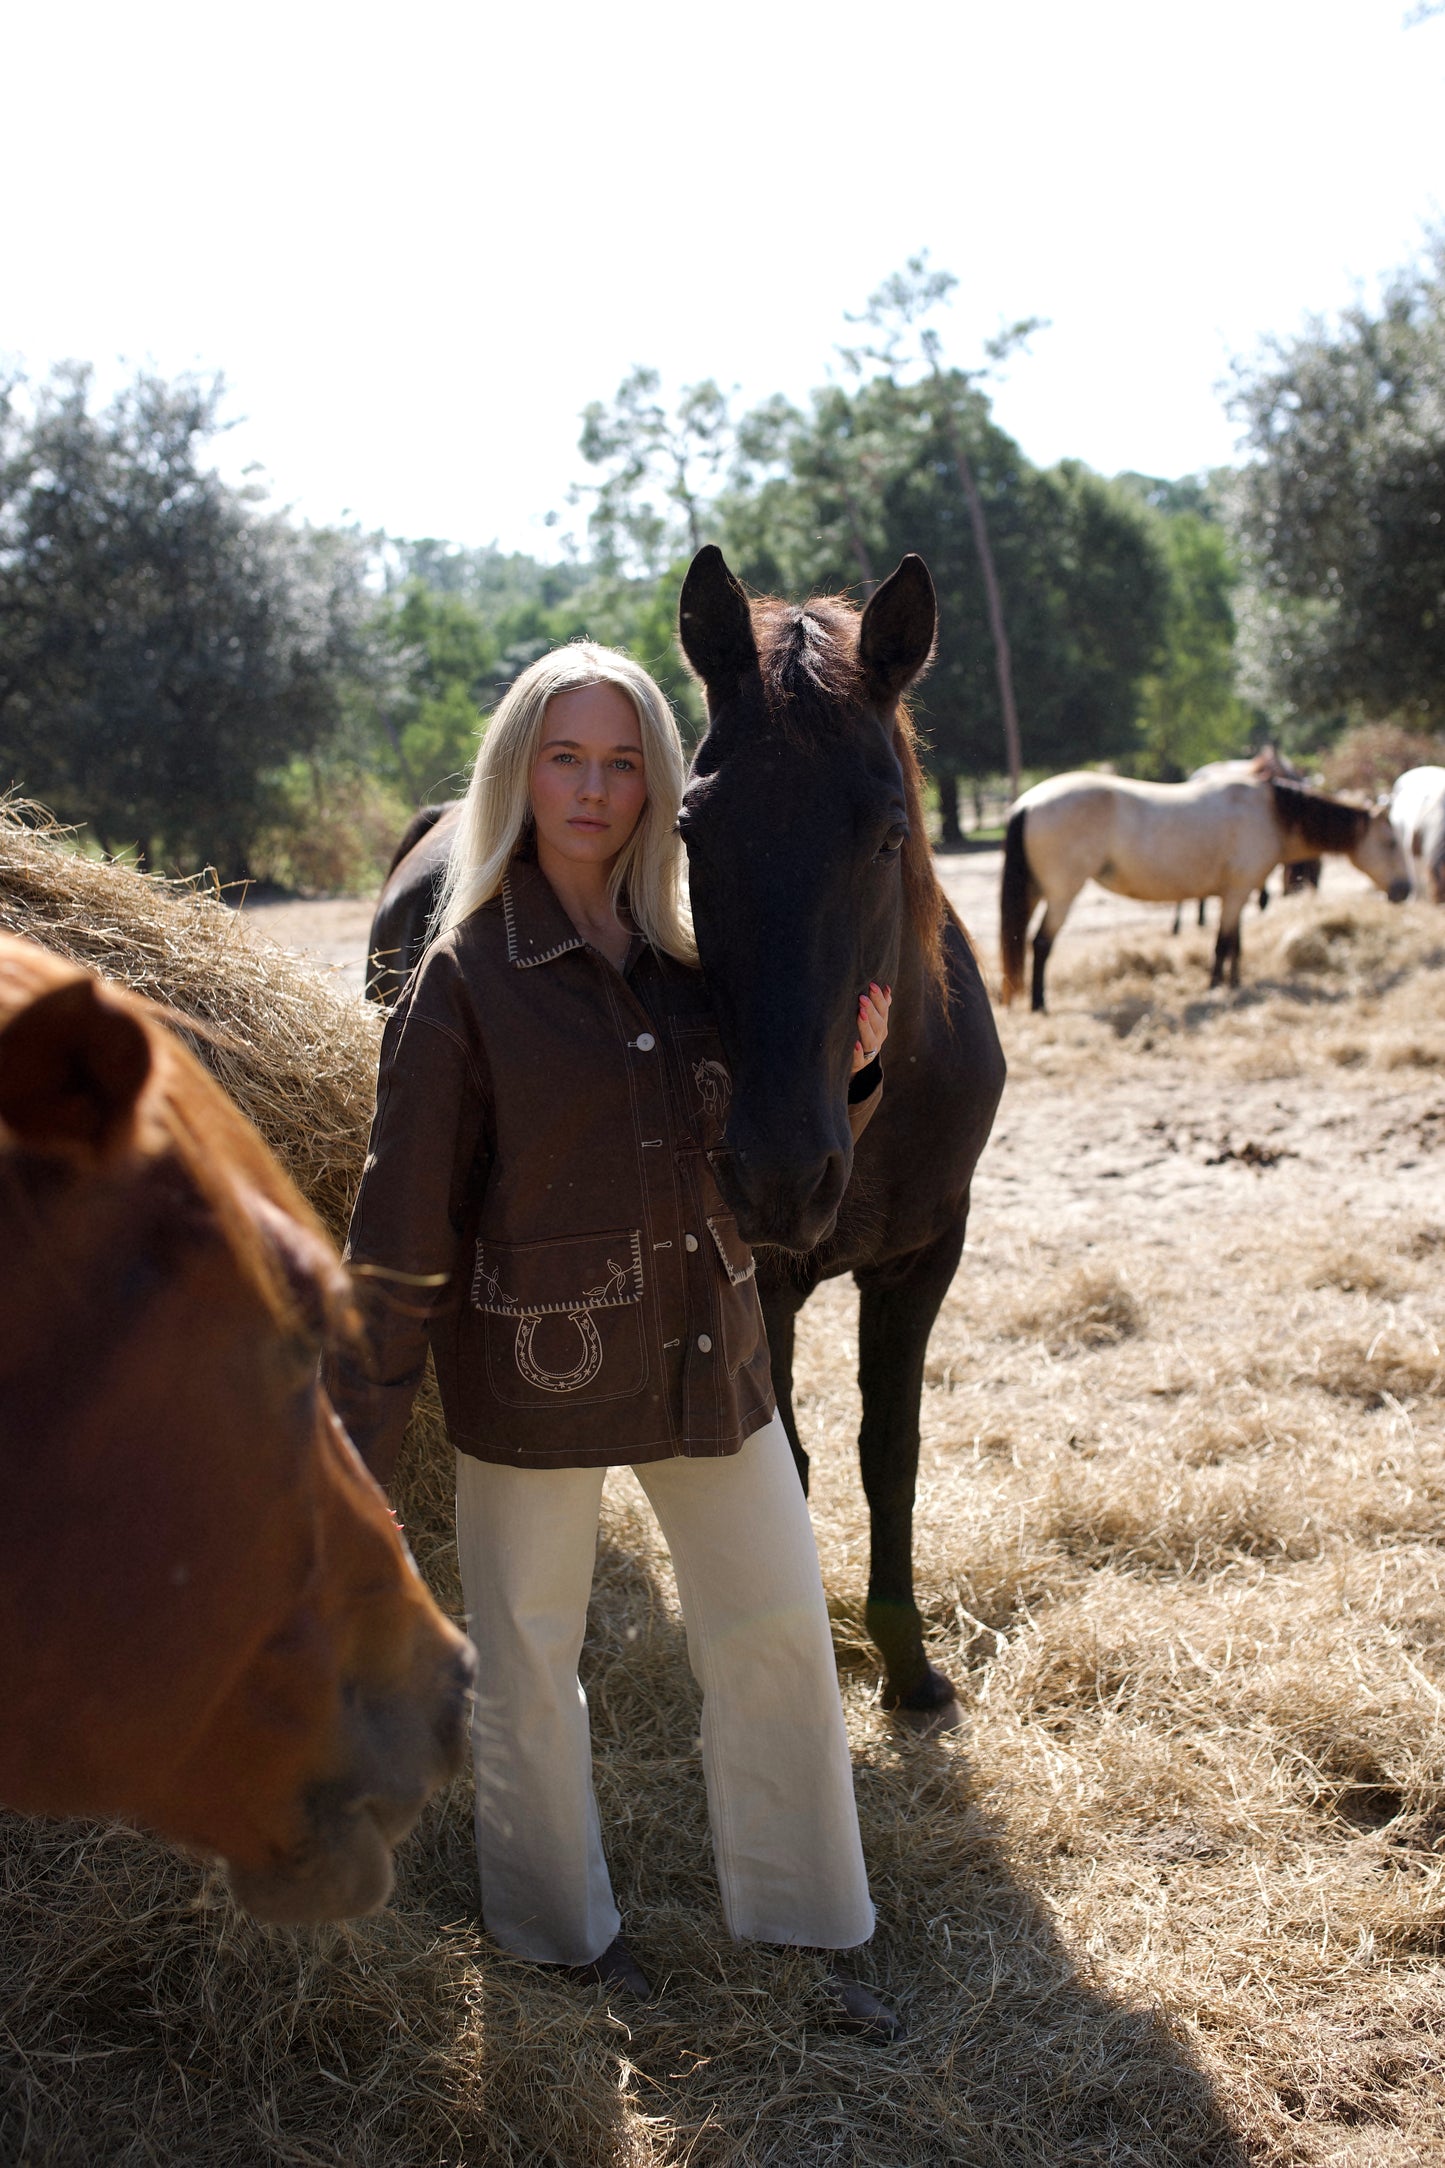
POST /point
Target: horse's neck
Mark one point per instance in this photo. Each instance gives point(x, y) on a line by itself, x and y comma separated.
point(919, 1002)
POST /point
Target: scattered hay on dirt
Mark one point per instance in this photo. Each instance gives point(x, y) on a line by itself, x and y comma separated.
point(1092, 1307)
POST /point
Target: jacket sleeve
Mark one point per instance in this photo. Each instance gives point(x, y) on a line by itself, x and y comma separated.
point(865, 1096)
point(427, 1155)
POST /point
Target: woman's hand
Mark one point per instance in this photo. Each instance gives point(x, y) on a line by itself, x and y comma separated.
point(873, 1010)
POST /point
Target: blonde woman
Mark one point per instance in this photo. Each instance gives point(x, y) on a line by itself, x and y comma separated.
point(539, 1204)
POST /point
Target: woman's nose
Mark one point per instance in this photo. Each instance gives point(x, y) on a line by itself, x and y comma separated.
point(593, 783)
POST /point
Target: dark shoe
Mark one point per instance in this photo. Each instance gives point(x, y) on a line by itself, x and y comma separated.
point(616, 1969)
point(856, 2009)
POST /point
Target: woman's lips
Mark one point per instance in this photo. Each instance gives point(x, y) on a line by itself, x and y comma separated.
point(580, 821)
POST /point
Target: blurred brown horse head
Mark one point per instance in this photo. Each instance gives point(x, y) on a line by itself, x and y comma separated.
point(209, 1624)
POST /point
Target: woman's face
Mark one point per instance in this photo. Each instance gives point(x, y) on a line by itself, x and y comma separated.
point(588, 783)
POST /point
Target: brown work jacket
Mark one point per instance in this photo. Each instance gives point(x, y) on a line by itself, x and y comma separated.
point(539, 1204)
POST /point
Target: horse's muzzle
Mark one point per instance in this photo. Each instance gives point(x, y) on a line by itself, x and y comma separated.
point(784, 1205)
point(399, 1750)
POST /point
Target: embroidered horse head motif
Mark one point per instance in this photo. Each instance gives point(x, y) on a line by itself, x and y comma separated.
point(715, 1089)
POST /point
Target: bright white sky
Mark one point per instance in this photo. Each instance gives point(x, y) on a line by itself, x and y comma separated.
point(417, 240)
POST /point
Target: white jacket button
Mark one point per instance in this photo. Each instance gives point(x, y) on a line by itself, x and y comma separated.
point(704, 1344)
point(644, 1042)
point(689, 1242)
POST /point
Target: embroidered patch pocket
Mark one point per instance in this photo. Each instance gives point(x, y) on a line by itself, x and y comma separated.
point(738, 1301)
point(738, 1260)
point(562, 1318)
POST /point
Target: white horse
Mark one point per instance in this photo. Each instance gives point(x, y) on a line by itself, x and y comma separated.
point(1165, 842)
point(1417, 815)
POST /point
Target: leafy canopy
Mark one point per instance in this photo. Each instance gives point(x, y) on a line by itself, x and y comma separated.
point(1341, 514)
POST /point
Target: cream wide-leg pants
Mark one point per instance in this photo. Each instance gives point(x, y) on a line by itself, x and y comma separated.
point(774, 1749)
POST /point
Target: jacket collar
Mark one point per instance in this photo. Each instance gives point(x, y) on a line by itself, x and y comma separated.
point(537, 926)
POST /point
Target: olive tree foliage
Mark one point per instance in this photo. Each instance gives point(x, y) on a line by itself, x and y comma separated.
point(1340, 515)
point(167, 647)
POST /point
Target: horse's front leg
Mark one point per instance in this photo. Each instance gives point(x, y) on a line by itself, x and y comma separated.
point(781, 1300)
point(899, 1305)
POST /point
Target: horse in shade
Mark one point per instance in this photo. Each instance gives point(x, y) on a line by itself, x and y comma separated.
point(408, 898)
point(811, 873)
point(1215, 835)
point(209, 1623)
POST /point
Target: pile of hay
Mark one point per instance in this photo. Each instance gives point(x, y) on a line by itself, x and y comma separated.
point(300, 1063)
point(1176, 1897)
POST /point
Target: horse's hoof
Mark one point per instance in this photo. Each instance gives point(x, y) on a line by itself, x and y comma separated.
point(927, 1723)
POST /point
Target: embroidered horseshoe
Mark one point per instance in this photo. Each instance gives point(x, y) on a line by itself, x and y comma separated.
point(561, 1381)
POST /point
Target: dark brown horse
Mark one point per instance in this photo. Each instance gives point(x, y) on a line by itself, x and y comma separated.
point(413, 879)
point(811, 874)
point(209, 1624)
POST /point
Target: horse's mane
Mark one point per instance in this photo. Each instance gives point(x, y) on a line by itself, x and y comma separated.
point(808, 656)
point(1327, 824)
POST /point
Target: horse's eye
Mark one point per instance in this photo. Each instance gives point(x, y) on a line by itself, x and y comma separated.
point(893, 842)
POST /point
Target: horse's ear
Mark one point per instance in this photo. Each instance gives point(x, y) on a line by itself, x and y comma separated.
point(895, 639)
point(73, 1064)
point(714, 623)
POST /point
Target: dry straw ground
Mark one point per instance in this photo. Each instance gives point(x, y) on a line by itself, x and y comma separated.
point(1174, 1896)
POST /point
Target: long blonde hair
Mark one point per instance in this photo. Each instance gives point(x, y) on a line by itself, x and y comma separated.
point(497, 807)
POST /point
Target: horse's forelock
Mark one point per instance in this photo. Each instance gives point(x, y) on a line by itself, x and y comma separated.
point(808, 660)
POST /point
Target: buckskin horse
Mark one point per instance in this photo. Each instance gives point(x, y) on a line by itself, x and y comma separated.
point(1216, 835)
point(811, 873)
point(209, 1624)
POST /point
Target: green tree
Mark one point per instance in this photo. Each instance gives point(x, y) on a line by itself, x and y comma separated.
point(165, 646)
point(898, 314)
point(864, 475)
point(1340, 516)
point(458, 626)
point(1189, 711)
point(447, 660)
point(659, 463)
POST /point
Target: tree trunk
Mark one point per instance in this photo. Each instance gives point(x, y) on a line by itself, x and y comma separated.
point(950, 834)
point(1003, 663)
point(393, 739)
